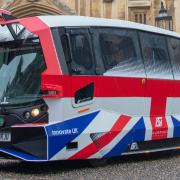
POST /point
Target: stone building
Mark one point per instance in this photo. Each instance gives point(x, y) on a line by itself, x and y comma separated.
point(25, 8)
point(142, 11)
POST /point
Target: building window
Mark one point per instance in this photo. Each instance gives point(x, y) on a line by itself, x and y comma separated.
point(140, 18)
point(164, 20)
point(108, 1)
point(136, 18)
point(145, 20)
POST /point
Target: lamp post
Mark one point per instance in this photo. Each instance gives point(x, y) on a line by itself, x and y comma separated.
point(163, 20)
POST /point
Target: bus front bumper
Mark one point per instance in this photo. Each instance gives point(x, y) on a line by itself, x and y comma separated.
point(25, 142)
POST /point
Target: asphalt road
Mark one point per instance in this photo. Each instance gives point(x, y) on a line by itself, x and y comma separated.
point(157, 166)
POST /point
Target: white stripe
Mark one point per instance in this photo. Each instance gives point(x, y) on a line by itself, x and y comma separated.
point(148, 128)
point(103, 122)
point(177, 117)
point(170, 127)
point(173, 106)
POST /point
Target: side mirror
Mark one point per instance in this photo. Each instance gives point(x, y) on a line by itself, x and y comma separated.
point(51, 91)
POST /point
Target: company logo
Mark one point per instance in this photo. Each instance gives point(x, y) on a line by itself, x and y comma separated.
point(65, 132)
point(134, 146)
point(159, 121)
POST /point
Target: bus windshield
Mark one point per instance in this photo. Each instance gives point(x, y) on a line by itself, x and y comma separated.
point(21, 65)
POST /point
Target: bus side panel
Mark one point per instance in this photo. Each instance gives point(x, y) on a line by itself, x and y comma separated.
point(122, 117)
point(120, 104)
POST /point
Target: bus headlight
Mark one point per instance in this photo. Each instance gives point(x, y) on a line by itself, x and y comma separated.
point(35, 112)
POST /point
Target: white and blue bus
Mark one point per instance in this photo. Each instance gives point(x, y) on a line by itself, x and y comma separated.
point(87, 88)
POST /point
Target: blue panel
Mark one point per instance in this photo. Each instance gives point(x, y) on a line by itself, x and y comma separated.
point(121, 146)
point(20, 155)
point(176, 124)
point(62, 133)
point(137, 133)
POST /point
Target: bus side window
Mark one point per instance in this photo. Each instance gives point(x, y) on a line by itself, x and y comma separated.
point(77, 48)
point(174, 51)
point(121, 53)
point(155, 54)
point(82, 58)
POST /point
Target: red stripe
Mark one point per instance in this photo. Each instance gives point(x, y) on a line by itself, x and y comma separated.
point(103, 140)
point(158, 110)
point(37, 26)
point(159, 132)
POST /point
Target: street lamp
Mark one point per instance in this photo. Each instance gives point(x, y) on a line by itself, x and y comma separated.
point(163, 20)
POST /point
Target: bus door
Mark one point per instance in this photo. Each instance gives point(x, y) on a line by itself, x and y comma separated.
point(123, 78)
point(82, 68)
point(159, 85)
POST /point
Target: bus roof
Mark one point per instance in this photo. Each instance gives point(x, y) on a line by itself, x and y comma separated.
point(82, 21)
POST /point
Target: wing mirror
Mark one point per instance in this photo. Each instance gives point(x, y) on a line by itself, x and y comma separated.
point(51, 91)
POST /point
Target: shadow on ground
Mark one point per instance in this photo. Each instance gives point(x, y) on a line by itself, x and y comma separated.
point(15, 166)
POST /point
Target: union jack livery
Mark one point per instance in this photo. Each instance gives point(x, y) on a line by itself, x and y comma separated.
point(87, 88)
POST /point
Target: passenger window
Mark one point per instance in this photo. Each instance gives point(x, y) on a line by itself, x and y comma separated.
point(174, 51)
point(156, 58)
point(121, 53)
point(82, 57)
point(78, 53)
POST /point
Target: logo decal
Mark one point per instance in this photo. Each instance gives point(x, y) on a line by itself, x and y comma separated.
point(159, 121)
point(134, 146)
point(65, 132)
